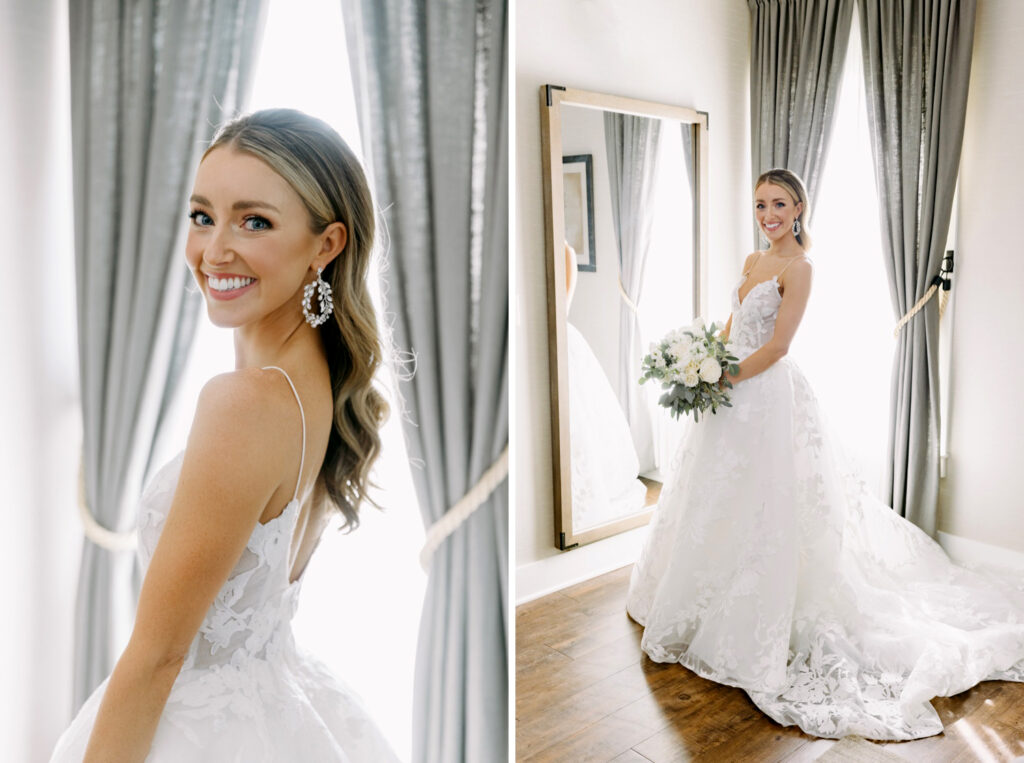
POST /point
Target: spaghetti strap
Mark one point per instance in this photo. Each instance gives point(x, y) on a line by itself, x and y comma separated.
point(787, 265)
point(747, 273)
point(302, 413)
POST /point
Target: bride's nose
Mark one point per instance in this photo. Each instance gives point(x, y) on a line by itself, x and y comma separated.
point(218, 250)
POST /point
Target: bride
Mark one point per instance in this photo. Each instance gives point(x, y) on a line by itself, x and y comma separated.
point(280, 240)
point(770, 566)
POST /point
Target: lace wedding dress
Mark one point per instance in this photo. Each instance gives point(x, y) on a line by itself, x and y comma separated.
point(246, 692)
point(604, 460)
point(771, 567)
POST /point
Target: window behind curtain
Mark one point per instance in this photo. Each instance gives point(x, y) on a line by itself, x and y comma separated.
point(845, 343)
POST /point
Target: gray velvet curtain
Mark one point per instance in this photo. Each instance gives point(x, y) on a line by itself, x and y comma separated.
point(430, 82)
point(917, 65)
point(631, 143)
point(149, 83)
point(797, 50)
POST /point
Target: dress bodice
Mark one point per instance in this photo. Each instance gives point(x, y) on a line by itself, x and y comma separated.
point(252, 612)
point(753, 319)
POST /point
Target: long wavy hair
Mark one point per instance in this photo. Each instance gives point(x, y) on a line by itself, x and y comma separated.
point(311, 156)
point(790, 181)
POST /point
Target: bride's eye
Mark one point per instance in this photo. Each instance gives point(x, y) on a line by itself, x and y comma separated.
point(257, 223)
point(199, 217)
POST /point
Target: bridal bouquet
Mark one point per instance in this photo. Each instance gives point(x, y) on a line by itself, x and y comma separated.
point(689, 363)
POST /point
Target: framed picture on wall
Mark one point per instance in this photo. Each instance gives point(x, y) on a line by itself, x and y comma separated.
point(578, 185)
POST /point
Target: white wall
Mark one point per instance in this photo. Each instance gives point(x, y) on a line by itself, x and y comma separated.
point(981, 498)
point(39, 421)
point(683, 52)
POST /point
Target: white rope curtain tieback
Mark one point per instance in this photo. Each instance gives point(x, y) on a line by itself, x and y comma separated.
point(461, 511)
point(626, 299)
point(943, 279)
point(94, 531)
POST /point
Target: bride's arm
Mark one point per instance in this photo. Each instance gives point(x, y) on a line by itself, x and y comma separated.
point(796, 292)
point(232, 466)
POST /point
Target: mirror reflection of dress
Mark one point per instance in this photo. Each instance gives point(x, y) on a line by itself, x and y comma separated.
point(603, 458)
point(770, 566)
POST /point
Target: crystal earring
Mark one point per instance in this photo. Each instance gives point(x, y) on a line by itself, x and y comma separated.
point(796, 227)
point(323, 290)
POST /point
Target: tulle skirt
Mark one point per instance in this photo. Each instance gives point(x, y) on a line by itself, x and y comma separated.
point(603, 458)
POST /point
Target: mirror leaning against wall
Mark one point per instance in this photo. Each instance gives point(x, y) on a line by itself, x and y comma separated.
point(625, 207)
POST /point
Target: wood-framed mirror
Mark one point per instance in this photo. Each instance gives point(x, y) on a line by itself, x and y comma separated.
point(626, 221)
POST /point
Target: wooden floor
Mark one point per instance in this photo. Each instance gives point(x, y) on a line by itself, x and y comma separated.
point(585, 692)
point(653, 491)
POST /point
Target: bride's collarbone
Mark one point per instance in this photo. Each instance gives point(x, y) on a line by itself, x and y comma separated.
point(759, 276)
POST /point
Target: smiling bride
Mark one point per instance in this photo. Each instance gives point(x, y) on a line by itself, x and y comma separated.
point(281, 211)
point(770, 566)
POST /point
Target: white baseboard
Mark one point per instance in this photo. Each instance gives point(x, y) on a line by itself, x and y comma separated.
point(566, 568)
point(967, 551)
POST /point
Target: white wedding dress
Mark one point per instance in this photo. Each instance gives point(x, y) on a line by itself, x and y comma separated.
point(246, 692)
point(771, 567)
point(604, 460)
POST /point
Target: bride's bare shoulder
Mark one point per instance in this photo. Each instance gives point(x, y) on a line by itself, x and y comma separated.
point(751, 258)
point(255, 390)
point(251, 405)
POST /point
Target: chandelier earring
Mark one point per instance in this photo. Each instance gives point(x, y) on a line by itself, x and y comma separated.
point(796, 227)
point(324, 297)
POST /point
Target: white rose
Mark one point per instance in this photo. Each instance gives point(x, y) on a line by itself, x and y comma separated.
point(681, 347)
point(690, 379)
point(710, 370)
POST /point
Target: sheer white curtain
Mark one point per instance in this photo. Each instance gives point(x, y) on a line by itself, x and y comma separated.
point(40, 435)
point(845, 343)
point(666, 298)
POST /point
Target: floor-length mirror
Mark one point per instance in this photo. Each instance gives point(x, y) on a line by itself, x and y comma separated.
point(626, 216)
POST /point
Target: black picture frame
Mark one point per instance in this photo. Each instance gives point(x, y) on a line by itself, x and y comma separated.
point(578, 192)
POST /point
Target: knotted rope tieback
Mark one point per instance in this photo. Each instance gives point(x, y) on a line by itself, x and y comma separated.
point(626, 299)
point(94, 531)
point(461, 511)
point(943, 279)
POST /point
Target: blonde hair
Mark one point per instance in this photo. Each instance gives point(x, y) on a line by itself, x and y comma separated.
point(316, 162)
point(794, 186)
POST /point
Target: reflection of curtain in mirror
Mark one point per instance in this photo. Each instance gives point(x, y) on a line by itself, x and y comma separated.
point(687, 130)
point(667, 288)
point(631, 143)
point(797, 51)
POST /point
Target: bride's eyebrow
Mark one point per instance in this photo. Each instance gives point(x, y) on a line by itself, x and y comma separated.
point(245, 204)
